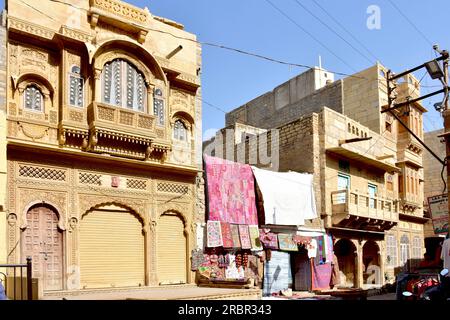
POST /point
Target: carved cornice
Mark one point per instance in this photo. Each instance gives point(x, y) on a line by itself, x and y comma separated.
point(75, 34)
point(30, 28)
point(121, 9)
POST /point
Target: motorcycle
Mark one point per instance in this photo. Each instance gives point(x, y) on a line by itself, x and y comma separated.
point(434, 292)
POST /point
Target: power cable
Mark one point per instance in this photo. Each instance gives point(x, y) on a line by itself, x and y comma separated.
point(308, 33)
point(411, 23)
point(332, 30)
point(345, 29)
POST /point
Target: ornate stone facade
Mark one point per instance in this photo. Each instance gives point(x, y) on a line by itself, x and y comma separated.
point(72, 149)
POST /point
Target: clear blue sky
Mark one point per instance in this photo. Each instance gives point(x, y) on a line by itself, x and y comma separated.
point(230, 79)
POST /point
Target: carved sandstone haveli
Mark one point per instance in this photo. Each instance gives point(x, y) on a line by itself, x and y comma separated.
point(103, 122)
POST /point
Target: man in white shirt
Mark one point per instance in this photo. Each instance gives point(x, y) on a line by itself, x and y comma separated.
point(445, 253)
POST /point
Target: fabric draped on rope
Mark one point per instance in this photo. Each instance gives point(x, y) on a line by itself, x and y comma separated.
point(214, 234)
point(244, 236)
point(268, 239)
point(226, 235)
point(286, 242)
point(254, 237)
point(231, 191)
point(235, 235)
point(288, 197)
point(321, 276)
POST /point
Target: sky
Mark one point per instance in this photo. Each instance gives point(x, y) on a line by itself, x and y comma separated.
point(230, 79)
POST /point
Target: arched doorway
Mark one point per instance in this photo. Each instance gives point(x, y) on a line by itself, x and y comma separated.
point(112, 250)
point(172, 249)
point(43, 241)
point(345, 251)
point(371, 261)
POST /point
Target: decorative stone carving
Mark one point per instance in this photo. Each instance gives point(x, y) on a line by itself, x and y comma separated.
point(73, 222)
point(30, 197)
point(34, 132)
point(30, 28)
point(121, 9)
point(12, 219)
point(88, 202)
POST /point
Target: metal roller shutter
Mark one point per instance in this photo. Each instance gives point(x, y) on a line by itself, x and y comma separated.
point(111, 249)
point(172, 260)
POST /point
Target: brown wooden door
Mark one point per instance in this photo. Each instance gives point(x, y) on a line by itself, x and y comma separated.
point(43, 242)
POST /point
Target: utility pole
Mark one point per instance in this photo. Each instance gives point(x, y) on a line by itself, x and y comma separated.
point(434, 70)
point(446, 115)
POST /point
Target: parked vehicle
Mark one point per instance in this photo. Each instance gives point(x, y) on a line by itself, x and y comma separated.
point(429, 289)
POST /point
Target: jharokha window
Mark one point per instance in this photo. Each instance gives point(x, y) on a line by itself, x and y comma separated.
point(158, 106)
point(76, 95)
point(33, 99)
point(123, 85)
point(179, 131)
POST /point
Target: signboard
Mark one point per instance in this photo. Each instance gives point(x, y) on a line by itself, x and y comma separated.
point(439, 213)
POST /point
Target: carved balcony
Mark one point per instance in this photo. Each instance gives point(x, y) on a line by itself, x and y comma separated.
point(123, 132)
point(356, 210)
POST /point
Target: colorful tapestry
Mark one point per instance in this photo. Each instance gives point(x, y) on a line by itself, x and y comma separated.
point(214, 234)
point(321, 276)
point(235, 235)
point(254, 237)
point(197, 259)
point(268, 239)
point(231, 191)
point(226, 235)
point(244, 236)
point(286, 243)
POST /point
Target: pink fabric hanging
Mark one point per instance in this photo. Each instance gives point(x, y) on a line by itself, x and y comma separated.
point(231, 191)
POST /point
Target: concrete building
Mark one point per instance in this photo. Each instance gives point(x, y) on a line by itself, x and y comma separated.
point(368, 169)
point(103, 144)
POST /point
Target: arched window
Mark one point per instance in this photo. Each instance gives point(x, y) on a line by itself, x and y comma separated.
point(179, 131)
point(158, 106)
point(33, 99)
point(76, 95)
point(123, 85)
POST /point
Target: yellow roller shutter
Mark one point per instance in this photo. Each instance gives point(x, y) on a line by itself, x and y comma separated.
point(111, 249)
point(172, 266)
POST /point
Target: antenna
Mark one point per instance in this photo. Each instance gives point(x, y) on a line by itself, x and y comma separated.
point(320, 62)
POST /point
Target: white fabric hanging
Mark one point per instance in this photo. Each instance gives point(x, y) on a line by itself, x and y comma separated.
point(288, 196)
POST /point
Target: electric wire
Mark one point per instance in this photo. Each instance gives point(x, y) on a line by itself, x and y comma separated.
point(333, 31)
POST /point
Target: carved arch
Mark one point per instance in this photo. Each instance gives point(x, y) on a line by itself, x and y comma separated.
point(178, 210)
point(56, 209)
point(146, 62)
point(139, 215)
point(34, 78)
point(184, 117)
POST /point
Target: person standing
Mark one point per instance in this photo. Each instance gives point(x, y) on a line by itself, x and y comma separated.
point(445, 253)
point(335, 280)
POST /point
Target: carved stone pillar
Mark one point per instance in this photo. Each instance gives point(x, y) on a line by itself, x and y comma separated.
point(145, 230)
point(151, 253)
point(97, 85)
point(150, 89)
point(359, 265)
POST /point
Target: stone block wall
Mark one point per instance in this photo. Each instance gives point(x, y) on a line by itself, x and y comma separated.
point(3, 185)
point(281, 106)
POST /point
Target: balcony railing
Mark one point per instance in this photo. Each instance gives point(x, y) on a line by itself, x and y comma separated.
point(121, 120)
point(350, 202)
